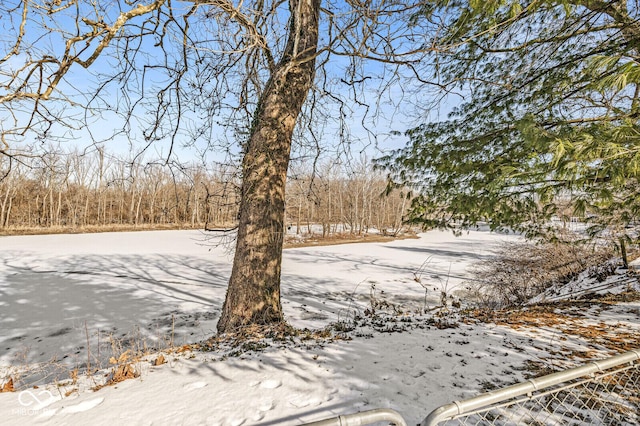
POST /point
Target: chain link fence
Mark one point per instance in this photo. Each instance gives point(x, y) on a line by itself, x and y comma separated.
point(600, 393)
point(603, 392)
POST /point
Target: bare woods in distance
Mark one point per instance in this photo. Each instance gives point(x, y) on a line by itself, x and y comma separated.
point(83, 191)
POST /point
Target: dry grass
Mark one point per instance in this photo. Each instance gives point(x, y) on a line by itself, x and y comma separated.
point(107, 361)
point(7, 386)
point(93, 229)
point(568, 320)
point(124, 368)
point(159, 360)
point(343, 238)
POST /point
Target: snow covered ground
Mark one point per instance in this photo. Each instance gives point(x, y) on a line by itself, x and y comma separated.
point(71, 300)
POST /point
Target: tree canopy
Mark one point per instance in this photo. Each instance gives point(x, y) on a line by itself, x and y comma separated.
point(548, 122)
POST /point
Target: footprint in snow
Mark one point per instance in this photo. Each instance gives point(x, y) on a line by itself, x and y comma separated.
point(263, 408)
point(266, 384)
point(270, 384)
point(194, 386)
point(301, 401)
point(266, 405)
point(83, 406)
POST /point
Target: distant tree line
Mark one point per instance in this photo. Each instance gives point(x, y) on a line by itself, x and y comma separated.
point(98, 189)
point(344, 199)
point(76, 189)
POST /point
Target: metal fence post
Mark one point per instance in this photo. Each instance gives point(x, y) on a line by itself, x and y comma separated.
point(363, 418)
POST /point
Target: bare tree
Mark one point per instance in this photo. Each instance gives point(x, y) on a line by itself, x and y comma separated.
point(206, 72)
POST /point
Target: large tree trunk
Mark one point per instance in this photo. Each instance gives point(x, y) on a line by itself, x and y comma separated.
point(253, 296)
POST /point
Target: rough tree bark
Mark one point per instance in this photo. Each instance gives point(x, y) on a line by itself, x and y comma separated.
point(253, 295)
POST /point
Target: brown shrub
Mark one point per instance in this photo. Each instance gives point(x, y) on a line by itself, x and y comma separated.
point(522, 270)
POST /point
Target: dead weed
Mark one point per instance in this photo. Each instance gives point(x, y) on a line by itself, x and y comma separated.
point(123, 369)
point(8, 386)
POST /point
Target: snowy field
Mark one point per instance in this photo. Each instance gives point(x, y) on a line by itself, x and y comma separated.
point(69, 300)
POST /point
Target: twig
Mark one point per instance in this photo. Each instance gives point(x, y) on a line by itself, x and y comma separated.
point(173, 324)
point(86, 330)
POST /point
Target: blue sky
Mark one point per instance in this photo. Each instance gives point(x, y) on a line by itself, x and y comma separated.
point(400, 107)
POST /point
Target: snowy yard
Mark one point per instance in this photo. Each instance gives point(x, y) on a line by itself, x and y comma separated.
point(69, 300)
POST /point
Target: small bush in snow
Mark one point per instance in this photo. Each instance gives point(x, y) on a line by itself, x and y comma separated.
point(520, 271)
